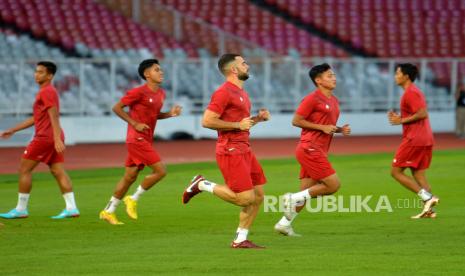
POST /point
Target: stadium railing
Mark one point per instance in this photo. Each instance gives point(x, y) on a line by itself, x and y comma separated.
point(89, 87)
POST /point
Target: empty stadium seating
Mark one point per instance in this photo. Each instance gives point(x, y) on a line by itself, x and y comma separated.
point(242, 18)
point(390, 28)
point(88, 27)
point(115, 44)
point(18, 55)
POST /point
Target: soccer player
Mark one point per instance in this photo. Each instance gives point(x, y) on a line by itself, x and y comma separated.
point(316, 115)
point(47, 146)
point(145, 103)
point(229, 114)
point(415, 151)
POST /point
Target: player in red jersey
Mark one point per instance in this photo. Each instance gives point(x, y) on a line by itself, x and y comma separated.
point(415, 151)
point(145, 103)
point(229, 114)
point(47, 146)
point(317, 115)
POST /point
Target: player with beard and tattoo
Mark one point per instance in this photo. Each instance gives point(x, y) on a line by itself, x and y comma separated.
point(229, 114)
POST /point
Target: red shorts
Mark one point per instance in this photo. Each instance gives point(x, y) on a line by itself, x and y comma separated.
point(241, 172)
point(314, 163)
point(416, 157)
point(43, 151)
point(140, 154)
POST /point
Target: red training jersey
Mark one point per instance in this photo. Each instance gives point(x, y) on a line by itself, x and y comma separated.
point(232, 104)
point(144, 107)
point(418, 133)
point(46, 98)
point(318, 109)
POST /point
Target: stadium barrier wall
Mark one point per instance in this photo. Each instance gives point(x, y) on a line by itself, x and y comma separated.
point(113, 130)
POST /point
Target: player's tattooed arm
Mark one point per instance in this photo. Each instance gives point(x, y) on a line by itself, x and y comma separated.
point(23, 125)
point(212, 120)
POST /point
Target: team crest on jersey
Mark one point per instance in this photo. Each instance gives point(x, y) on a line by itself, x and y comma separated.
point(151, 100)
point(327, 106)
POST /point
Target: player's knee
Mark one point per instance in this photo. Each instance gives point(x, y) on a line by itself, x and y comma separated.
point(55, 172)
point(259, 199)
point(130, 177)
point(23, 171)
point(162, 172)
point(334, 187)
point(246, 200)
point(394, 173)
point(242, 202)
point(418, 175)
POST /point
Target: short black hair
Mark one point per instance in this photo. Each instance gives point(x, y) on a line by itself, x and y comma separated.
point(318, 70)
point(408, 69)
point(146, 64)
point(50, 66)
point(225, 60)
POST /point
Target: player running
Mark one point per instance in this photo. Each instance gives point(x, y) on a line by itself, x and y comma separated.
point(415, 151)
point(317, 115)
point(47, 145)
point(145, 103)
point(229, 114)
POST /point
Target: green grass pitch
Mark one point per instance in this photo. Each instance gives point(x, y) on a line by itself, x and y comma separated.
point(170, 238)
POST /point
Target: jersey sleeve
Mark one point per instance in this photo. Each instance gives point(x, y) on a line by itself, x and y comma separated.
point(305, 107)
point(219, 101)
point(415, 102)
point(131, 97)
point(49, 98)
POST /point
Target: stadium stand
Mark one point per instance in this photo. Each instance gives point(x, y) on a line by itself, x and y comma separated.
point(115, 44)
point(250, 22)
point(387, 29)
point(88, 27)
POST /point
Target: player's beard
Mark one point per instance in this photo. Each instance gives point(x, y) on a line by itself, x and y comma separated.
point(243, 76)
